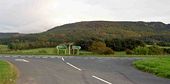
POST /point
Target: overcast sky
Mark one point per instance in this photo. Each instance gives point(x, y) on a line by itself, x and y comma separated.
point(30, 16)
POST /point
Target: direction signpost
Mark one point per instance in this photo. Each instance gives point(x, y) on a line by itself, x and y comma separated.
point(75, 49)
point(61, 48)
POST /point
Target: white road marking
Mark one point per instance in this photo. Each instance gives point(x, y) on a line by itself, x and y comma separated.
point(62, 59)
point(101, 80)
point(21, 60)
point(74, 66)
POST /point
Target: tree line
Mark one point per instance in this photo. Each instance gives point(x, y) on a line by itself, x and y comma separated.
point(114, 44)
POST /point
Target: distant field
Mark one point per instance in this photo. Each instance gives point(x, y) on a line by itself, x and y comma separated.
point(52, 51)
point(157, 66)
point(8, 73)
point(39, 51)
point(159, 46)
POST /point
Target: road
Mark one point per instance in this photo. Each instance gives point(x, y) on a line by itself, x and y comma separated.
point(80, 70)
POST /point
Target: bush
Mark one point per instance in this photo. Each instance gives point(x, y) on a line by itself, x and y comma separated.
point(129, 52)
point(141, 51)
point(155, 50)
point(100, 48)
point(106, 51)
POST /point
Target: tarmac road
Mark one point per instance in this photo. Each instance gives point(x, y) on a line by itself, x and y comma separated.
point(80, 70)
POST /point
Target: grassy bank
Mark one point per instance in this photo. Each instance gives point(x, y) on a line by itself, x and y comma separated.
point(156, 66)
point(8, 73)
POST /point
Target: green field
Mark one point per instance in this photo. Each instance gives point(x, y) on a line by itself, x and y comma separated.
point(8, 73)
point(53, 51)
point(42, 51)
point(156, 66)
point(164, 47)
point(39, 51)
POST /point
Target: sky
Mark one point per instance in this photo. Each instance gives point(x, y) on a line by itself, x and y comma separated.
point(33, 16)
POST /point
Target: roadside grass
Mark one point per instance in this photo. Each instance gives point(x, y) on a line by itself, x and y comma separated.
point(159, 66)
point(8, 73)
point(41, 51)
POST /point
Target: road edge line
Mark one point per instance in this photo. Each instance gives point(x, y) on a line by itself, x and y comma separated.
point(73, 66)
point(101, 79)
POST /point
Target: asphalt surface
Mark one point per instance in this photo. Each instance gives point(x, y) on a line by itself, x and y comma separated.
point(80, 70)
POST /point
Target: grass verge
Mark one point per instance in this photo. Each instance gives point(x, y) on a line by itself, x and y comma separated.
point(8, 73)
point(156, 66)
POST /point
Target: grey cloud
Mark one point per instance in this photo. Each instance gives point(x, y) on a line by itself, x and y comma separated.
point(39, 15)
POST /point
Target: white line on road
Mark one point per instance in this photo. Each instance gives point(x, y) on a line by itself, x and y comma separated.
point(62, 59)
point(101, 79)
point(74, 66)
point(21, 60)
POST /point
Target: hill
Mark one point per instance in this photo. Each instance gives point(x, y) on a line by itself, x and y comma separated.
point(109, 29)
point(8, 35)
point(147, 31)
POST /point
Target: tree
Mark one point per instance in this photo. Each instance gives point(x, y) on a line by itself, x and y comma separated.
point(124, 44)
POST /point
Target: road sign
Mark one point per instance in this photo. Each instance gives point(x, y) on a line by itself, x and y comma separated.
point(76, 47)
point(61, 47)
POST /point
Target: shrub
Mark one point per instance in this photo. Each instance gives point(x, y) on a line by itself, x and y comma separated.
point(129, 52)
point(141, 51)
point(106, 51)
point(100, 48)
point(155, 50)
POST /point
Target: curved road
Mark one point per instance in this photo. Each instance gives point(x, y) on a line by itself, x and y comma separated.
point(80, 70)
